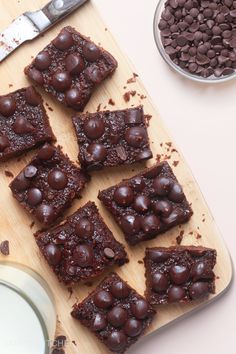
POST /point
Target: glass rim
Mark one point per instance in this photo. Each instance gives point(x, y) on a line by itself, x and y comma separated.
point(171, 64)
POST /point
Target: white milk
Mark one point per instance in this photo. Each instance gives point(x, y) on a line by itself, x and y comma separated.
point(21, 331)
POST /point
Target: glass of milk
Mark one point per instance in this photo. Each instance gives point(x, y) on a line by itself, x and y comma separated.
point(27, 311)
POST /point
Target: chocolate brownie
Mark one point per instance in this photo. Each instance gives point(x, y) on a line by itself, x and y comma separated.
point(112, 138)
point(24, 122)
point(147, 204)
point(70, 67)
point(82, 247)
point(179, 274)
point(48, 184)
point(115, 313)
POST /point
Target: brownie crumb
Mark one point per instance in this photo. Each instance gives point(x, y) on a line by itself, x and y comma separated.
point(203, 220)
point(111, 102)
point(161, 144)
point(180, 237)
point(99, 107)
point(148, 117)
point(88, 283)
point(175, 163)
point(70, 291)
point(32, 224)
point(132, 79)
point(124, 87)
point(106, 29)
point(191, 233)
point(173, 150)
point(158, 157)
point(8, 173)
point(198, 236)
point(128, 95)
point(4, 248)
point(74, 342)
point(140, 262)
point(143, 97)
point(10, 85)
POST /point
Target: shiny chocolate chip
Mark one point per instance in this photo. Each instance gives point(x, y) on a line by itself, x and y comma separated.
point(74, 63)
point(133, 116)
point(64, 40)
point(83, 255)
point(141, 203)
point(120, 290)
point(94, 74)
point(176, 293)
point(32, 97)
point(150, 224)
point(96, 152)
point(103, 299)
point(198, 289)
point(7, 106)
point(61, 81)
point(4, 143)
point(94, 128)
point(140, 309)
point(117, 316)
point(138, 183)
point(36, 75)
point(162, 185)
point(57, 179)
point(123, 196)
point(53, 254)
point(201, 270)
point(174, 217)
point(136, 136)
point(30, 171)
point(22, 126)
point(133, 327)
point(179, 274)
point(99, 322)
point(84, 228)
point(130, 224)
point(116, 341)
point(21, 183)
point(109, 253)
point(157, 256)
point(34, 196)
point(159, 282)
point(176, 193)
point(73, 97)
point(46, 152)
point(45, 214)
point(91, 52)
point(42, 60)
point(162, 207)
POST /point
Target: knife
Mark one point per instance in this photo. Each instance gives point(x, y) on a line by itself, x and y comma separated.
point(30, 24)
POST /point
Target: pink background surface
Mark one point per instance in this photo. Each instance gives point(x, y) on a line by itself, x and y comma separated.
point(202, 120)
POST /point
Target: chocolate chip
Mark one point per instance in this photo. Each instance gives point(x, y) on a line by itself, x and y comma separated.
point(94, 128)
point(140, 309)
point(36, 75)
point(130, 224)
point(46, 152)
point(7, 106)
point(133, 116)
point(116, 341)
point(158, 256)
point(109, 253)
point(120, 290)
point(144, 154)
point(34, 196)
point(162, 185)
point(83, 255)
point(176, 293)
point(117, 316)
point(141, 203)
point(91, 52)
point(21, 183)
point(4, 143)
point(73, 97)
point(150, 224)
point(22, 126)
point(103, 299)
point(53, 254)
point(179, 274)
point(159, 282)
point(96, 152)
point(94, 74)
point(133, 327)
point(162, 207)
point(31, 96)
point(198, 289)
point(123, 196)
point(4, 248)
point(201, 270)
point(136, 136)
point(30, 171)
point(173, 217)
point(45, 214)
point(99, 322)
point(74, 63)
point(42, 61)
point(61, 81)
point(57, 179)
point(176, 193)
point(64, 40)
point(84, 228)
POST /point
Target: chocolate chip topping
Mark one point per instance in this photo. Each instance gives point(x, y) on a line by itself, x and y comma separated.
point(57, 179)
point(61, 81)
point(84, 228)
point(109, 253)
point(30, 171)
point(32, 97)
point(136, 136)
point(91, 52)
point(100, 322)
point(22, 126)
point(7, 105)
point(64, 40)
point(96, 152)
point(53, 254)
point(123, 195)
point(94, 128)
point(117, 316)
point(34, 196)
point(74, 63)
point(133, 327)
point(103, 299)
point(140, 309)
point(120, 290)
point(116, 341)
point(42, 60)
point(4, 143)
point(46, 152)
point(83, 255)
point(45, 214)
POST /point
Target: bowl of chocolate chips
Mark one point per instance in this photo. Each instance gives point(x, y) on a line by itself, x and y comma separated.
point(197, 38)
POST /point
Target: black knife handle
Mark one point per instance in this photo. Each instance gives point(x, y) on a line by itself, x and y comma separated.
point(57, 9)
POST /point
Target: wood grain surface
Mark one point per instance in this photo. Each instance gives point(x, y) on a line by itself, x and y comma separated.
point(15, 222)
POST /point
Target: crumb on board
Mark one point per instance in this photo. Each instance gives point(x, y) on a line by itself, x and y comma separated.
point(140, 262)
point(32, 225)
point(124, 87)
point(198, 236)
point(158, 157)
point(132, 79)
point(10, 85)
point(175, 163)
point(147, 118)
point(74, 342)
point(8, 173)
point(127, 95)
point(70, 291)
point(99, 107)
point(106, 29)
point(4, 248)
point(173, 150)
point(203, 220)
point(88, 283)
point(111, 102)
point(179, 238)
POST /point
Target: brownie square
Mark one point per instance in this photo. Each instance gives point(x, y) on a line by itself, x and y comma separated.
point(70, 68)
point(24, 122)
point(112, 138)
point(48, 184)
point(179, 274)
point(115, 313)
point(147, 204)
point(82, 247)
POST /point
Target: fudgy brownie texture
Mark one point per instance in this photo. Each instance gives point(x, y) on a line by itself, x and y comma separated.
point(115, 313)
point(112, 138)
point(147, 204)
point(82, 247)
point(70, 67)
point(48, 184)
point(179, 274)
point(24, 122)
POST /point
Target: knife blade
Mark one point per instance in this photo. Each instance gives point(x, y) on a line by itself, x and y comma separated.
point(30, 24)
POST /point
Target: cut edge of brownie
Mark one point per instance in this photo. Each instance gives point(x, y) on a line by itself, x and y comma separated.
point(119, 261)
point(78, 309)
point(195, 251)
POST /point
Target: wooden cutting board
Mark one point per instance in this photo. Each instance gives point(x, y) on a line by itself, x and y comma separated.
point(15, 223)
